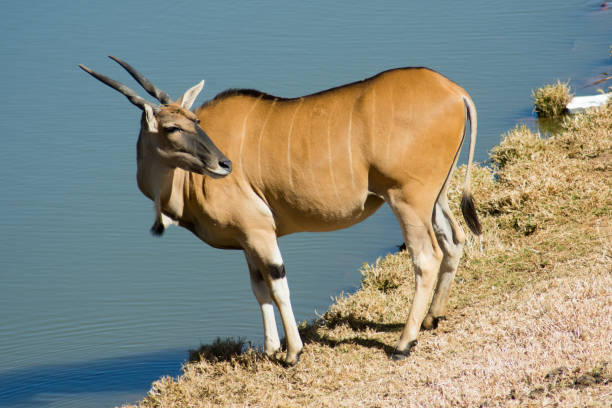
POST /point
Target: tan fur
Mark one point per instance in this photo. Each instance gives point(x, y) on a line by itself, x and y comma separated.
point(424, 135)
point(319, 163)
point(310, 161)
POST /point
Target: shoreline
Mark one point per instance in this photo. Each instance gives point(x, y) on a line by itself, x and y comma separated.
point(528, 317)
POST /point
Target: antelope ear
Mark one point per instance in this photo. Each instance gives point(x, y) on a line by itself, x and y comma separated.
point(190, 96)
point(150, 119)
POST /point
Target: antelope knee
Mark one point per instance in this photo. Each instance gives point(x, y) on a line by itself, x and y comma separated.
point(277, 283)
point(427, 264)
point(277, 271)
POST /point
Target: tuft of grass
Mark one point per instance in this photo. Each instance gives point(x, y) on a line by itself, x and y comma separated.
point(551, 100)
point(528, 319)
point(218, 350)
point(519, 144)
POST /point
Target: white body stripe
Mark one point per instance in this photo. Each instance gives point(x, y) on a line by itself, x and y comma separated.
point(350, 147)
point(243, 133)
point(290, 173)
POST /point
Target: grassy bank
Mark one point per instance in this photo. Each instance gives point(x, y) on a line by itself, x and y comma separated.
point(529, 318)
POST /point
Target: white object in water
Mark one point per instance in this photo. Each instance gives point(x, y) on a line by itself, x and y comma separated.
point(580, 103)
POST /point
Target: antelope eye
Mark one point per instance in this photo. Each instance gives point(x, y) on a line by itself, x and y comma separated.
point(172, 129)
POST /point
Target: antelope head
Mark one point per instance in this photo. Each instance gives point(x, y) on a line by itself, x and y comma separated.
point(171, 138)
point(172, 130)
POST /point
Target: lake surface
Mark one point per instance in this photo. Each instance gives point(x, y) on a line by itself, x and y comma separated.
point(92, 307)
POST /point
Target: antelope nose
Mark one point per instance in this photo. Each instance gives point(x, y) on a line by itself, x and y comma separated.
point(226, 165)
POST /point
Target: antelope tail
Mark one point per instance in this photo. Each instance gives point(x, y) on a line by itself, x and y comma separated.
point(467, 203)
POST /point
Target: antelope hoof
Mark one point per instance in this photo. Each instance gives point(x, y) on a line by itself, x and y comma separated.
point(399, 355)
point(291, 361)
point(271, 350)
point(431, 323)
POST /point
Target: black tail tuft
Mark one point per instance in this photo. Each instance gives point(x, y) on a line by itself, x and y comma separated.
point(469, 214)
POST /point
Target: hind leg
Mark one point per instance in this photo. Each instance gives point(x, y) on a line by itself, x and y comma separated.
point(426, 257)
point(451, 239)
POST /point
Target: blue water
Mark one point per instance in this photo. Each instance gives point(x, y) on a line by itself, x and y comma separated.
point(92, 307)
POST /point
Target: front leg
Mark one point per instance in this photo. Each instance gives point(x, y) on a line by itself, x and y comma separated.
point(264, 298)
point(262, 248)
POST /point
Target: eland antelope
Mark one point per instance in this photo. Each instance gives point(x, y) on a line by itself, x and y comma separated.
point(315, 163)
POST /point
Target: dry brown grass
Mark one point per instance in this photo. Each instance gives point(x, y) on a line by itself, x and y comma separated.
point(551, 100)
point(528, 319)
